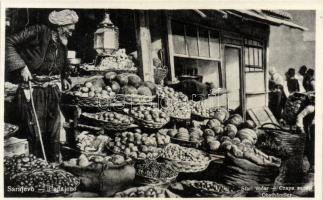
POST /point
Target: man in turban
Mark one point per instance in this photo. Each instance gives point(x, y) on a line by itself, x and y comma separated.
point(36, 51)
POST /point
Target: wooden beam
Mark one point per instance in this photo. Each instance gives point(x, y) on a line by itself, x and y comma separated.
point(143, 38)
point(170, 47)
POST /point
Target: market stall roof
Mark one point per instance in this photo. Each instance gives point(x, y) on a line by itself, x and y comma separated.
point(270, 17)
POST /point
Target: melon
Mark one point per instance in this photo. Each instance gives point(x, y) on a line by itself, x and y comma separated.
point(248, 134)
point(143, 90)
point(122, 79)
point(110, 76)
point(221, 114)
point(129, 90)
point(115, 86)
point(134, 80)
point(218, 130)
point(213, 123)
point(235, 119)
point(151, 85)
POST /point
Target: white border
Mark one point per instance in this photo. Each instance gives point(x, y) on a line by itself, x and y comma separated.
point(189, 4)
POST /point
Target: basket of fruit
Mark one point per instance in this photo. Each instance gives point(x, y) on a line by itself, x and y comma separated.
point(184, 159)
point(139, 146)
point(119, 61)
point(187, 138)
point(110, 120)
point(135, 98)
point(90, 96)
point(47, 181)
point(154, 173)
point(205, 188)
point(146, 192)
point(149, 117)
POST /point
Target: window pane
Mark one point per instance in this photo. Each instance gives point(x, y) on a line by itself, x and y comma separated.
point(260, 58)
point(191, 38)
point(251, 56)
point(256, 56)
point(204, 42)
point(178, 38)
point(214, 44)
point(246, 56)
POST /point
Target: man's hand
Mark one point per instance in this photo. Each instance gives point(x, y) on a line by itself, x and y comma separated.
point(66, 84)
point(25, 74)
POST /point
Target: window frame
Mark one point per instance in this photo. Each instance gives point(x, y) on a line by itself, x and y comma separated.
point(260, 46)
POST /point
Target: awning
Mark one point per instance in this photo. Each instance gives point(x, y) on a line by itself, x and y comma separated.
point(270, 17)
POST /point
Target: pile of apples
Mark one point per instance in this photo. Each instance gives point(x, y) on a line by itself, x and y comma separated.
point(92, 91)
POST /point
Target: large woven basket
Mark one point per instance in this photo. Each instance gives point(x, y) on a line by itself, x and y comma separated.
point(281, 142)
point(135, 99)
point(149, 124)
point(109, 125)
point(87, 101)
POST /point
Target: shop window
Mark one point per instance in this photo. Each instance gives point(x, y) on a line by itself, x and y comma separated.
point(204, 70)
point(195, 41)
point(253, 59)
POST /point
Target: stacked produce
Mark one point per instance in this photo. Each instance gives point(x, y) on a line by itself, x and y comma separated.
point(154, 171)
point(139, 145)
point(193, 134)
point(202, 188)
point(109, 120)
point(176, 104)
point(200, 109)
point(53, 181)
point(146, 192)
point(149, 117)
point(23, 163)
point(130, 87)
point(184, 159)
point(92, 91)
point(118, 61)
point(89, 143)
point(91, 161)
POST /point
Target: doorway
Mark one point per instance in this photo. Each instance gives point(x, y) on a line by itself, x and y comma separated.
point(234, 80)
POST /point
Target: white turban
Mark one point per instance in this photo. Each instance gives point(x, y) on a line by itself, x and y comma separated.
point(63, 17)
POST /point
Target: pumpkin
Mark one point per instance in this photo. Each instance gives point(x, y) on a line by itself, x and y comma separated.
point(235, 119)
point(213, 123)
point(231, 130)
point(218, 130)
point(221, 114)
point(248, 134)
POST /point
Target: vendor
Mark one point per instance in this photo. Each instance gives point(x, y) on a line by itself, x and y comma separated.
point(41, 50)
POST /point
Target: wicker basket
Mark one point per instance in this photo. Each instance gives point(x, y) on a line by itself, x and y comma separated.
point(160, 74)
point(109, 125)
point(283, 143)
point(135, 99)
point(104, 71)
point(186, 143)
point(187, 166)
point(151, 125)
point(87, 101)
point(57, 191)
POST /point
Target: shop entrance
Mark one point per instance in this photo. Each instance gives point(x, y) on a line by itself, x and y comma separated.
point(233, 73)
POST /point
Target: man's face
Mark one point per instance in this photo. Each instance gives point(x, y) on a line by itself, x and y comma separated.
point(67, 30)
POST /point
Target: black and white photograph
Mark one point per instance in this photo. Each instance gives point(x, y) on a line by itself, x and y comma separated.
point(159, 103)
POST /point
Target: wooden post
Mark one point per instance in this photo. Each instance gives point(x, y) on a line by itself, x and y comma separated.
point(144, 45)
point(170, 47)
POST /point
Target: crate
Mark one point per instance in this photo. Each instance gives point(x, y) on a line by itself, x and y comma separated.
point(14, 146)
